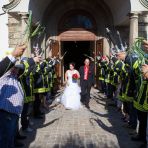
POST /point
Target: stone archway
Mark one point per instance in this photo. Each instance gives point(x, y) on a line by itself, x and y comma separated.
point(77, 31)
point(53, 16)
point(111, 7)
point(77, 25)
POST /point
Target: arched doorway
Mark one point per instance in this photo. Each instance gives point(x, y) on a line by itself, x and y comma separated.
point(77, 35)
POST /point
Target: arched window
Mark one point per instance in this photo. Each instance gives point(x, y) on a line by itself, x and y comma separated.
point(78, 21)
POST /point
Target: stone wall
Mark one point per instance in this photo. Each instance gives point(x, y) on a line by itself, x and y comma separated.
point(17, 23)
point(14, 28)
point(143, 25)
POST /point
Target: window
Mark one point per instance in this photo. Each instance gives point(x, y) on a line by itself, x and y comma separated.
point(78, 21)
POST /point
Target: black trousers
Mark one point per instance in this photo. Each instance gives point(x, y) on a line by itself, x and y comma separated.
point(85, 92)
point(17, 132)
point(132, 115)
point(102, 86)
point(24, 116)
point(110, 91)
point(37, 104)
point(142, 117)
point(125, 107)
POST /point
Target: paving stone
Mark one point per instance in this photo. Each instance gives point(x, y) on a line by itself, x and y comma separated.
point(99, 127)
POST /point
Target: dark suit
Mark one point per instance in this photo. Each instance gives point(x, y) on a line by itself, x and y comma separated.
point(86, 84)
point(5, 65)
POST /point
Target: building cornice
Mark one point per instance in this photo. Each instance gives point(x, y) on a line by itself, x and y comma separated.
point(144, 3)
point(11, 5)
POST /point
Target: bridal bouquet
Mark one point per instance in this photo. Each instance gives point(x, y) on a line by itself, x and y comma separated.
point(75, 76)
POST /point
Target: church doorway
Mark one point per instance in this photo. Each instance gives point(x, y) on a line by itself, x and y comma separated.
point(77, 37)
point(76, 51)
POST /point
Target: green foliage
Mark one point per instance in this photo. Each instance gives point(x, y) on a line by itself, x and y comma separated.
point(38, 31)
point(29, 32)
point(138, 50)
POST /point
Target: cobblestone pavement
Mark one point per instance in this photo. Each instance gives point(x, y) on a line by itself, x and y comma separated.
point(99, 127)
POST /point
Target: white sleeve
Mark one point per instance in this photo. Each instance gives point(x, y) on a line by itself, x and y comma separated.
point(11, 58)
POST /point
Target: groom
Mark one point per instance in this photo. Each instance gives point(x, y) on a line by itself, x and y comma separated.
point(87, 80)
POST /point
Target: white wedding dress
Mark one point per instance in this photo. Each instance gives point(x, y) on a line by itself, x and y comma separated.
point(71, 95)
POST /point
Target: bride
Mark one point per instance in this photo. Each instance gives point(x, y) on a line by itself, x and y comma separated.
point(71, 96)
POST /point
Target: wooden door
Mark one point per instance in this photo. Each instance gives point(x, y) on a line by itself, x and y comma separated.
point(56, 52)
point(99, 47)
point(55, 47)
point(99, 52)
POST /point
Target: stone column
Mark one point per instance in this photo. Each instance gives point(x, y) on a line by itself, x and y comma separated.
point(106, 47)
point(143, 25)
point(133, 27)
point(24, 18)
